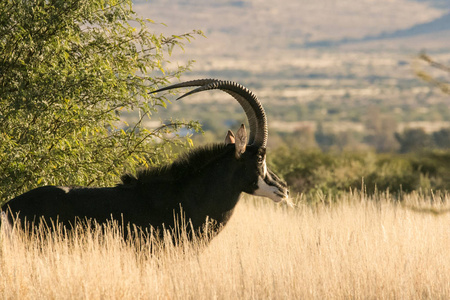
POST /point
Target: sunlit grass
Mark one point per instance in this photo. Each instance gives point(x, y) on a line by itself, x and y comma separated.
point(358, 248)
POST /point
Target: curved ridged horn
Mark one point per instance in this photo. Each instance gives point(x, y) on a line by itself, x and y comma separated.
point(202, 82)
point(197, 82)
point(253, 109)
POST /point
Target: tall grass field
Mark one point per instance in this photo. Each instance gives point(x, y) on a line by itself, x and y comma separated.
point(359, 248)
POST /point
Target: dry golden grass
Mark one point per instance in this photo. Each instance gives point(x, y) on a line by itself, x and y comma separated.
point(356, 249)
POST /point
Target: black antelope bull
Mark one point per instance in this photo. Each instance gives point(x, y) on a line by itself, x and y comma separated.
point(204, 184)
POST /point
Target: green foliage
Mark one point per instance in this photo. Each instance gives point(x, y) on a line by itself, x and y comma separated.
point(334, 173)
point(413, 140)
point(442, 138)
point(68, 69)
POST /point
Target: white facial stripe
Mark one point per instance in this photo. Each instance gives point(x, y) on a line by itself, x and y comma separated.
point(264, 169)
point(265, 190)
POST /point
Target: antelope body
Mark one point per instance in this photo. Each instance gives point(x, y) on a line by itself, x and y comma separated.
point(204, 184)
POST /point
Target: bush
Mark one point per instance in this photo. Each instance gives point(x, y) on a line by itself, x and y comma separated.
point(69, 68)
point(334, 173)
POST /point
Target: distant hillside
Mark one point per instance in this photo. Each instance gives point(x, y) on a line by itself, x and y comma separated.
point(441, 24)
point(255, 27)
point(442, 4)
point(280, 52)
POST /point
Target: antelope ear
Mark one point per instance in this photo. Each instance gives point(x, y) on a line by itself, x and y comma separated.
point(229, 139)
point(241, 141)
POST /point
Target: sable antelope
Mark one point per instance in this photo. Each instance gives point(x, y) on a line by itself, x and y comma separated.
point(204, 184)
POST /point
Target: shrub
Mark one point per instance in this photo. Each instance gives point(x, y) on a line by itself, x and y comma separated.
point(334, 173)
point(68, 69)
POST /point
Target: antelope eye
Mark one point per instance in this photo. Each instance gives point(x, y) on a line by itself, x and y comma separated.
point(260, 159)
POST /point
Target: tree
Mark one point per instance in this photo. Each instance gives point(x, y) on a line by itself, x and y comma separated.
point(415, 139)
point(68, 70)
point(324, 139)
point(381, 130)
point(442, 138)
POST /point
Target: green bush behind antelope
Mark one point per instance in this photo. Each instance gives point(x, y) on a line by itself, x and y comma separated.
point(310, 171)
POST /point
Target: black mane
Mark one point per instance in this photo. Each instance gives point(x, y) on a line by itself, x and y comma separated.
point(186, 164)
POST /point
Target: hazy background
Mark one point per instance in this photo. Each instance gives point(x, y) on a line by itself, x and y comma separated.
point(329, 73)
